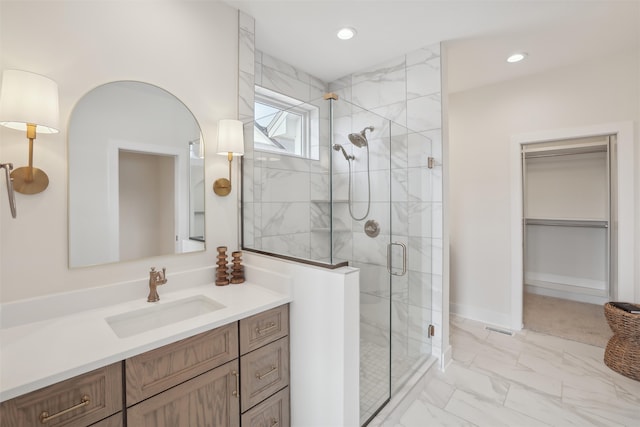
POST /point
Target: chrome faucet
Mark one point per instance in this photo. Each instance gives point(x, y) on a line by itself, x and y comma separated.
point(156, 278)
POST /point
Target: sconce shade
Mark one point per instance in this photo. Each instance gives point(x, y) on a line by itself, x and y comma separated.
point(230, 143)
point(28, 98)
point(230, 137)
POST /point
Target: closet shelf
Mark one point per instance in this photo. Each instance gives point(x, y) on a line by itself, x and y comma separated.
point(558, 222)
point(567, 150)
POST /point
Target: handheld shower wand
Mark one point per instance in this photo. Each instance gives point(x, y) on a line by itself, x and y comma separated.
point(339, 147)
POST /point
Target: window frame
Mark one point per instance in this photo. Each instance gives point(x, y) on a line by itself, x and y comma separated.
point(286, 104)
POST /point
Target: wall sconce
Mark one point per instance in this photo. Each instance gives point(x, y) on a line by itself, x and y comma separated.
point(230, 143)
point(29, 101)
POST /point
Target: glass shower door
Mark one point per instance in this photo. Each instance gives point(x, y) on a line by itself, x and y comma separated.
point(361, 233)
point(412, 211)
point(382, 226)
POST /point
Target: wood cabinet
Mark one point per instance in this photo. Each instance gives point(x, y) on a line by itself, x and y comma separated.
point(209, 399)
point(264, 372)
point(157, 370)
point(264, 363)
point(263, 328)
point(77, 402)
point(204, 381)
point(274, 411)
point(199, 381)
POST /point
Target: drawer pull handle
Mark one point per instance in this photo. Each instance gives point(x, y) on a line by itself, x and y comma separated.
point(45, 417)
point(274, 422)
point(235, 392)
point(266, 374)
point(270, 326)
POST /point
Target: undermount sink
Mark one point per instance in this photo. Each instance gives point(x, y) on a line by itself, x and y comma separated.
point(162, 314)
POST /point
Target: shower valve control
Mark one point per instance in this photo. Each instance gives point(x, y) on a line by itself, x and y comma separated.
point(372, 228)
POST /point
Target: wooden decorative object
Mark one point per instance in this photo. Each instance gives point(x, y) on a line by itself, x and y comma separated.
point(237, 270)
point(222, 278)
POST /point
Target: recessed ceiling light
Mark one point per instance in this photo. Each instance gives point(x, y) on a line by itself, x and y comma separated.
point(517, 57)
point(346, 33)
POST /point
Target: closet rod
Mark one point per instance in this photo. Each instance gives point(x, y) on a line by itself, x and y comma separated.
point(567, 223)
point(536, 154)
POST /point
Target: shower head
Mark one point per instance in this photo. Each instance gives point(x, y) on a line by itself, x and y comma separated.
point(360, 139)
point(339, 147)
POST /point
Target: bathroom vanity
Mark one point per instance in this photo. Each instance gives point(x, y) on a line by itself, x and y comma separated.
point(213, 369)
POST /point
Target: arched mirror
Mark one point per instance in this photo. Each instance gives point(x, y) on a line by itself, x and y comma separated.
point(136, 176)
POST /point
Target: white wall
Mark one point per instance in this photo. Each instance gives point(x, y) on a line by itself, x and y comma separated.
point(324, 320)
point(189, 48)
point(482, 121)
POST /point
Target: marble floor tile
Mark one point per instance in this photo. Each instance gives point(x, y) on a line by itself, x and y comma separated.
point(501, 348)
point(474, 408)
point(626, 388)
point(519, 374)
point(547, 409)
point(418, 411)
point(529, 379)
point(602, 406)
point(473, 381)
point(437, 392)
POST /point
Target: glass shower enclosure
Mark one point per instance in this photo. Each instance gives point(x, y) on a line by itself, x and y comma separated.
point(328, 182)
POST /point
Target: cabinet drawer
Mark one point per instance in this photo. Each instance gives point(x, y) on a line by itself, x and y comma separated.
point(264, 371)
point(263, 328)
point(273, 412)
point(113, 421)
point(208, 400)
point(157, 370)
point(76, 402)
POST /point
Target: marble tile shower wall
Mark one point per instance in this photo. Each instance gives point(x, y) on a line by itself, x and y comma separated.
point(407, 91)
point(285, 211)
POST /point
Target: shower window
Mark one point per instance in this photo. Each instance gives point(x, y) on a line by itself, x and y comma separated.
point(284, 125)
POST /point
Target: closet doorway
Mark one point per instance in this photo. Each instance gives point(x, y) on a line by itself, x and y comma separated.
point(622, 215)
point(568, 190)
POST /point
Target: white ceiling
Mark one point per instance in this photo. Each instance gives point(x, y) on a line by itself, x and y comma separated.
point(480, 34)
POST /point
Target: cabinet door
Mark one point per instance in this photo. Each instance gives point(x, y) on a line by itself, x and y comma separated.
point(210, 400)
point(157, 370)
point(76, 402)
point(273, 412)
point(264, 371)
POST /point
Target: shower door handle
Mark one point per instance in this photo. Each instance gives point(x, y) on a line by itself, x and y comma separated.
point(404, 258)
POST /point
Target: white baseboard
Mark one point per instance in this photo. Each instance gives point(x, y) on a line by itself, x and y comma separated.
point(481, 315)
point(581, 284)
point(573, 296)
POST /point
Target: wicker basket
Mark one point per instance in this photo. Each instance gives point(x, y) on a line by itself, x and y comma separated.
point(623, 349)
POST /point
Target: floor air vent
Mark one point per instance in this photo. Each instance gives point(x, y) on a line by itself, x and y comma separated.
point(498, 330)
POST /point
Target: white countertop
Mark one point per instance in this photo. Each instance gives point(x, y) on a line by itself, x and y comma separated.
point(38, 354)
